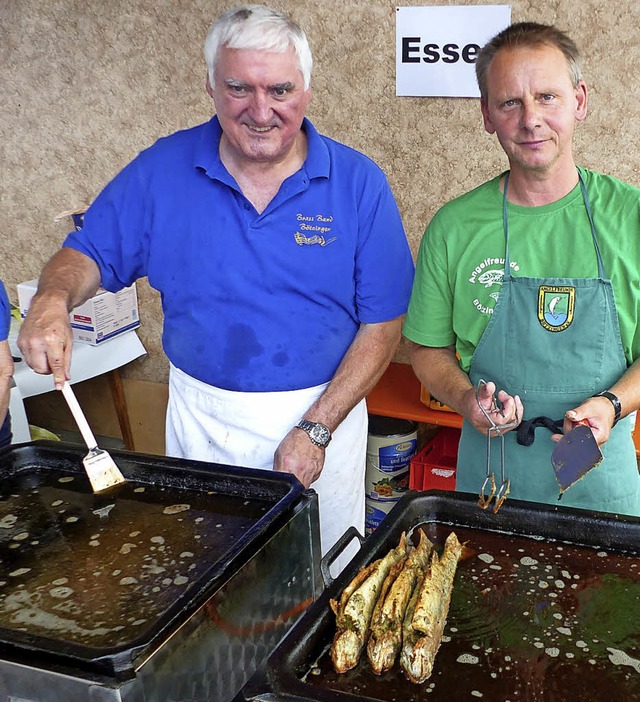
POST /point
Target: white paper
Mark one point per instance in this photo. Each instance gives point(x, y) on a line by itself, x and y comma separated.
point(436, 47)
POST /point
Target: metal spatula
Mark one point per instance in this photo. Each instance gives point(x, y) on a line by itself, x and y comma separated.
point(102, 471)
point(575, 455)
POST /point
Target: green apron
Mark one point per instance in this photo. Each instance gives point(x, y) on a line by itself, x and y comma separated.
point(554, 342)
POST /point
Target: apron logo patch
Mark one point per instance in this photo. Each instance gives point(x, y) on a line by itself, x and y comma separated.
point(555, 306)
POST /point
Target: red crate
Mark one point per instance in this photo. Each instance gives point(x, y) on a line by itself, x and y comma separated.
point(434, 467)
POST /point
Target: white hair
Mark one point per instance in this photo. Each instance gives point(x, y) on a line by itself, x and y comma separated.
point(257, 28)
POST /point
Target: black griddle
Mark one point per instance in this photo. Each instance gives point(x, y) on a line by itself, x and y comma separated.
point(34, 527)
point(545, 607)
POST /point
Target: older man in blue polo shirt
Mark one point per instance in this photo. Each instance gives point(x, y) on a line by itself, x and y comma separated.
point(282, 264)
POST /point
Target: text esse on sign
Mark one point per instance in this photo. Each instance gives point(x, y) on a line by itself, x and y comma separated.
point(451, 53)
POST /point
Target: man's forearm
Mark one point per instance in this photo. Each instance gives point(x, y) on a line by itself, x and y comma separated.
point(627, 389)
point(69, 277)
point(45, 337)
point(362, 366)
point(439, 371)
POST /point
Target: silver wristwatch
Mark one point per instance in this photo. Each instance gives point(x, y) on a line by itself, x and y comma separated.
point(318, 433)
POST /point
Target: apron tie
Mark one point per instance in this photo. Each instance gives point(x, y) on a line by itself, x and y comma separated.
point(526, 431)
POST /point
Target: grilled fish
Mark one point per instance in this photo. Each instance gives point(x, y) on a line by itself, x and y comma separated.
point(355, 608)
point(429, 615)
point(386, 624)
point(410, 662)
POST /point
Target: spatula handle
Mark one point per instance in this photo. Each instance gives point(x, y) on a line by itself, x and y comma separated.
point(78, 415)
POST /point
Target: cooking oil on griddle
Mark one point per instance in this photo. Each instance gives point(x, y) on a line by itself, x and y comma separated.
point(529, 620)
point(98, 570)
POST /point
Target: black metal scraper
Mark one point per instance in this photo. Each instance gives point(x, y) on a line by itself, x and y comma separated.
point(575, 455)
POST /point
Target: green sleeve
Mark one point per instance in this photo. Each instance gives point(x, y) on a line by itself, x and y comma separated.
point(429, 318)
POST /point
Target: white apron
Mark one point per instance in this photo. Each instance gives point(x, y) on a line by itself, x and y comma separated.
point(206, 423)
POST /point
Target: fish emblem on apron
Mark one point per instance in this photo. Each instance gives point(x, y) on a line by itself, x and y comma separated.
point(556, 304)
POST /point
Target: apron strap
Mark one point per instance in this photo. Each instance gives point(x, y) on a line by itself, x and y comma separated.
point(587, 205)
point(505, 227)
point(526, 431)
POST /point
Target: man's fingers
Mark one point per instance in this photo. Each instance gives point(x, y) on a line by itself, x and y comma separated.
point(519, 409)
point(486, 391)
point(507, 409)
point(52, 355)
point(59, 360)
point(512, 407)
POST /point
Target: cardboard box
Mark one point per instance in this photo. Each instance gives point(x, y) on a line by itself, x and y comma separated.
point(101, 318)
point(432, 402)
point(434, 467)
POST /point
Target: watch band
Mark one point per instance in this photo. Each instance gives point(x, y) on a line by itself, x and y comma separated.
point(615, 401)
point(319, 434)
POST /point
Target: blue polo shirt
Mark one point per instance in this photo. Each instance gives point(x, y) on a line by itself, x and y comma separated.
point(5, 313)
point(253, 302)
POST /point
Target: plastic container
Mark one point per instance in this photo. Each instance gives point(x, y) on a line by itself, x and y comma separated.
point(432, 402)
point(434, 467)
point(391, 445)
point(375, 512)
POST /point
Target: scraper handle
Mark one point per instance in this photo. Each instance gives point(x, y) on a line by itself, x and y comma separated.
point(78, 415)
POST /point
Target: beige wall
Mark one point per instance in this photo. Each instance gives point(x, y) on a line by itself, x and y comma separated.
point(86, 84)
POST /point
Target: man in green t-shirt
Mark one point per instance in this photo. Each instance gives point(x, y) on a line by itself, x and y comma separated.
point(530, 283)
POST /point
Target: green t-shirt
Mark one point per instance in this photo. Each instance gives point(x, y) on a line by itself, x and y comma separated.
point(460, 263)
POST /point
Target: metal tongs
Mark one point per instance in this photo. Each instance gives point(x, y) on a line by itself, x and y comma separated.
point(489, 484)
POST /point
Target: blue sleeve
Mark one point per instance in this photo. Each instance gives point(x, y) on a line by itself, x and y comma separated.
point(5, 313)
point(115, 232)
point(384, 266)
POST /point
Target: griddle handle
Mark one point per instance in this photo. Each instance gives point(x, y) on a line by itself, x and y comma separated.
point(335, 551)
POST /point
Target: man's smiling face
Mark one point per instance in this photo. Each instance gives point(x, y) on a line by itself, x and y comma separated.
point(260, 101)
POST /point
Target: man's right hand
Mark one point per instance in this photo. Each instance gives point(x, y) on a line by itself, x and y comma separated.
point(439, 371)
point(46, 339)
point(511, 409)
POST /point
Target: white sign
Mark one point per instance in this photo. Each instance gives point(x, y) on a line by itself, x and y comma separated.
point(437, 47)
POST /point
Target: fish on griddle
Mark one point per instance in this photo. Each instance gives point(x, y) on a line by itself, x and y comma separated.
point(410, 637)
point(429, 614)
point(385, 637)
point(355, 608)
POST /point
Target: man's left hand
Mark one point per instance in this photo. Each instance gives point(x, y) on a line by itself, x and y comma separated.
point(598, 411)
point(296, 454)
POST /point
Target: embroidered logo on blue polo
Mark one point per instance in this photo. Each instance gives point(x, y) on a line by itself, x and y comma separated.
point(313, 230)
point(303, 240)
point(555, 306)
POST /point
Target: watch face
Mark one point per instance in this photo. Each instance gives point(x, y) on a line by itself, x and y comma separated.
point(320, 434)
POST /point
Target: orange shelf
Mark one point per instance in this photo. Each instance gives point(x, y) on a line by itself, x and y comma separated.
point(397, 394)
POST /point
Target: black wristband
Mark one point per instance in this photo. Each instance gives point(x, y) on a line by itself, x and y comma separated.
point(613, 399)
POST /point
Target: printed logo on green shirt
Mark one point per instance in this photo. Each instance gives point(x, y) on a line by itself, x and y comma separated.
point(555, 306)
point(489, 275)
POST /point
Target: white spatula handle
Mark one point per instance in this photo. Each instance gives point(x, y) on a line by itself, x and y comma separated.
point(78, 415)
